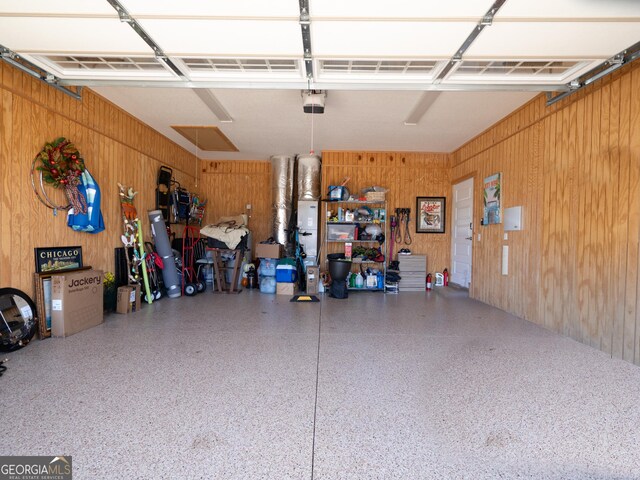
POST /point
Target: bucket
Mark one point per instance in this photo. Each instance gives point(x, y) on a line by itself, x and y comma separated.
point(208, 274)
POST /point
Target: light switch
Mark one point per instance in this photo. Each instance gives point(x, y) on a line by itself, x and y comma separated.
point(506, 236)
point(505, 260)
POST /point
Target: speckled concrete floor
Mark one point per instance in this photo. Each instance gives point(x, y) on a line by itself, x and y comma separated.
point(250, 386)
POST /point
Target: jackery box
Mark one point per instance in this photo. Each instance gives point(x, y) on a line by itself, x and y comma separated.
point(76, 302)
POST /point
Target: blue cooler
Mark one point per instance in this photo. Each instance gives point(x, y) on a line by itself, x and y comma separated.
point(286, 273)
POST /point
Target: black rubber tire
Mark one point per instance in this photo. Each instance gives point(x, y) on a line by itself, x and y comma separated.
point(27, 331)
point(201, 286)
point(190, 289)
point(157, 295)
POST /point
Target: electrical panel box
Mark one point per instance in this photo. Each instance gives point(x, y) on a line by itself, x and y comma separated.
point(512, 219)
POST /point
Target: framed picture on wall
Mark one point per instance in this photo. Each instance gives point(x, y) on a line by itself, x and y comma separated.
point(53, 259)
point(491, 200)
point(431, 214)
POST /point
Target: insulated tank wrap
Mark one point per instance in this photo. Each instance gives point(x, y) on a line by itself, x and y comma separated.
point(283, 167)
point(163, 247)
point(309, 177)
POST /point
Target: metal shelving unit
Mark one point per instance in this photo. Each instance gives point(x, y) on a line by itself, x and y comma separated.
point(327, 205)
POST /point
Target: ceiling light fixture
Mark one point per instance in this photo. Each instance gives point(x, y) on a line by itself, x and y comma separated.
point(424, 103)
point(212, 102)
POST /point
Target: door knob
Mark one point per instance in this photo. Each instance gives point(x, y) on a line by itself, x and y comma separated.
point(469, 238)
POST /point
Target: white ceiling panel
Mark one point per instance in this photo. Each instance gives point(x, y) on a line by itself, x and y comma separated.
point(226, 37)
point(460, 9)
point(58, 7)
point(554, 40)
point(268, 122)
point(78, 35)
point(388, 39)
point(200, 8)
point(578, 9)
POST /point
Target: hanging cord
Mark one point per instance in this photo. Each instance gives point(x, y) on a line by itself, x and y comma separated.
point(398, 227)
point(401, 231)
point(407, 234)
point(311, 149)
point(312, 115)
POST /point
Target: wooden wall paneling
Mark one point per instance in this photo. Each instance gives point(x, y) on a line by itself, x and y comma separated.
point(6, 109)
point(535, 220)
point(560, 263)
point(33, 113)
point(564, 264)
point(547, 286)
point(605, 222)
point(579, 223)
point(407, 176)
point(632, 296)
point(595, 219)
point(16, 214)
point(582, 154)
point(624, 219)
point(570, 224)
point(229, 186)
point(619, 217)
point(587, 300)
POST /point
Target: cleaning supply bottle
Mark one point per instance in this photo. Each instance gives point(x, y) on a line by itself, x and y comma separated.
point(380, 280)
point(359, 280)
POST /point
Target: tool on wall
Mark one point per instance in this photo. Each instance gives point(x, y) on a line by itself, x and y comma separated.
point(402, 233)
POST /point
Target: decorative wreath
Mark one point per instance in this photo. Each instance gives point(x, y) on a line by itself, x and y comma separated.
point(61, 166)
point(61, 163)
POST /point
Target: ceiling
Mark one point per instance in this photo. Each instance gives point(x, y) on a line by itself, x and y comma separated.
point(412, 75)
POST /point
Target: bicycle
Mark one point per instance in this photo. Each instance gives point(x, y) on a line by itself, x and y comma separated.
point(300, 255)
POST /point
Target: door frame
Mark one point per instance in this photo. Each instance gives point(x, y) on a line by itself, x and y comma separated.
point(454, 182)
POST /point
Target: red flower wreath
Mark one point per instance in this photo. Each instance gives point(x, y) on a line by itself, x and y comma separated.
point(62, 164)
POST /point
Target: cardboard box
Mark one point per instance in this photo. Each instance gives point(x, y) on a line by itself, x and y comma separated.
point(122, 305)
point(76, 302)
point(286, 288)
point(134, 298)
point(313, 280)
point(128, 299)
point(268, 250)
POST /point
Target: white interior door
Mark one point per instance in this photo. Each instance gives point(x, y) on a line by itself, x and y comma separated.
point(462, 238)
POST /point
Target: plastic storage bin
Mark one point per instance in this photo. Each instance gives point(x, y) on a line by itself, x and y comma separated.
point(340, 232)
point(285, 274)
point(268, 284)
point(268, 267)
